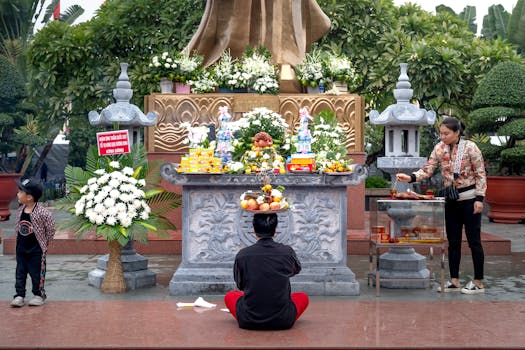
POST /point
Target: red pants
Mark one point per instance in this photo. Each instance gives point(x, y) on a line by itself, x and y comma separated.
point(300, 300)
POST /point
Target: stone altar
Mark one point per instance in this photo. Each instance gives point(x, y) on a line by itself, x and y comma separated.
point(215, 228)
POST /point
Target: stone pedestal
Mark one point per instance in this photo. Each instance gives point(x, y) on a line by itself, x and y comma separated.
point(394, 165)
point(399, 263)
point(134, 266)
point(215, 228)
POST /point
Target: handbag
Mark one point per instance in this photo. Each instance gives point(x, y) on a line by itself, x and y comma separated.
point(451, 193)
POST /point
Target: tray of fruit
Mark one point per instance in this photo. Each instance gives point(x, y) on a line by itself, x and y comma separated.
point(267, 200)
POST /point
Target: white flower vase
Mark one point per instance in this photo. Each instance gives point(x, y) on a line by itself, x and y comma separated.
point(166, 86)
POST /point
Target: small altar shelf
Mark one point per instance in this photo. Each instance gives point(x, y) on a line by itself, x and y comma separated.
point(215, 228)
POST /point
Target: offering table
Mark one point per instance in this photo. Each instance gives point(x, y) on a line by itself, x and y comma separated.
point(215, 228)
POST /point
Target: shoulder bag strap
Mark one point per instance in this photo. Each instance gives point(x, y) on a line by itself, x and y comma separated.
point(459, 156)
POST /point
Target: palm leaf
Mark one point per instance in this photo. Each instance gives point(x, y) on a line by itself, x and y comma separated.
point(71, 14)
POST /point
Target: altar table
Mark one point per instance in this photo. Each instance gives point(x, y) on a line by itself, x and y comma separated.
point(215, 228)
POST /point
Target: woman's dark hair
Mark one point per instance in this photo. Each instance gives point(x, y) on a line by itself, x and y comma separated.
point(454, 125)
point(264, 225)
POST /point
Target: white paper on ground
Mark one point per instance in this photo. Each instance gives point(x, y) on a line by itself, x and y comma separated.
point(199, 302)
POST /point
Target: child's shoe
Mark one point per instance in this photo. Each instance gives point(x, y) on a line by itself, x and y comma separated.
point(17, 302)
point(36, 301)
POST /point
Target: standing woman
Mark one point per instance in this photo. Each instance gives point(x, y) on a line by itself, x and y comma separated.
point(467, 174)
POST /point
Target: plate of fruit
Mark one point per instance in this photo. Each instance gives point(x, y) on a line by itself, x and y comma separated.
point(266, 201)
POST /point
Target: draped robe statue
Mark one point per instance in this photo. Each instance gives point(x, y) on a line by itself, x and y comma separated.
point(285, 27)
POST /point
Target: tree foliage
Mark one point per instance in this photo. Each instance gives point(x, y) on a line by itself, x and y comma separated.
point(516, 29)
point(495, 23)
point(500, 106)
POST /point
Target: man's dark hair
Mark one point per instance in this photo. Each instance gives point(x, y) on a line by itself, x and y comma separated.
point(264, 225)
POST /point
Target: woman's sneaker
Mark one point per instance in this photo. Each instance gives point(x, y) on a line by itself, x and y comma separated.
point(449, 287)
point(472, 288)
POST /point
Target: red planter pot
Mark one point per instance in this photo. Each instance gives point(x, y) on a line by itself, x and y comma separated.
point(506, 199)
point(8, 190)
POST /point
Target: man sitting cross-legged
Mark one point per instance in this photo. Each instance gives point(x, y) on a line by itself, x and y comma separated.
point(262, 272)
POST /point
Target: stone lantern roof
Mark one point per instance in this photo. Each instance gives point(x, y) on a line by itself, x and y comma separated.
point(403, 112)
point(122, 111)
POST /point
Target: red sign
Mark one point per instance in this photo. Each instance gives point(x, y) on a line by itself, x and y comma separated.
point(113, 142)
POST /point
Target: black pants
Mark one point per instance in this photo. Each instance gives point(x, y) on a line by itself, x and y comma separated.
point(457, 215)
point(28, 263)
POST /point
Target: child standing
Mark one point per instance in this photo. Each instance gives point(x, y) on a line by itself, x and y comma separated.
point(35, 228)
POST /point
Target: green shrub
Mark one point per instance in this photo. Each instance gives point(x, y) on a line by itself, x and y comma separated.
point(499, 107)
point(376, 182)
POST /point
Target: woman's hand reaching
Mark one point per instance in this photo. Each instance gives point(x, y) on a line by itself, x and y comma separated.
point(403, 177)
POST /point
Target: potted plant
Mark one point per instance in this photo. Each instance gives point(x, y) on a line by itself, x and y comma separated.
point(164, 67)
point(339, 72)
point(310, 72)
point(120, 199)
point(256, 71)
point(188, 68)
point(499, 107)
point(203, 83)
point(223, 72)
point(18, 134)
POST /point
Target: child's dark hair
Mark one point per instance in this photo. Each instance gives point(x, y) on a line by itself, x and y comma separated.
point(264, 225)
point(454, 125)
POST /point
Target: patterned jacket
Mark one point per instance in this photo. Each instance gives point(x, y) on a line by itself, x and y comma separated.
point(471, 172)
point(43, 225)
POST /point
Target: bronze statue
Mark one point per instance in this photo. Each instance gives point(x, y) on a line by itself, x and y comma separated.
point(285, 27)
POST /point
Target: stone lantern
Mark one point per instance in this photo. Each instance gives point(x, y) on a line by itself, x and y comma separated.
point(127, 115)
point(402, 139)
point(402, 121)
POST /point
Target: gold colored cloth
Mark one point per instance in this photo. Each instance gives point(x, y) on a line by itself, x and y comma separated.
point(285, 27)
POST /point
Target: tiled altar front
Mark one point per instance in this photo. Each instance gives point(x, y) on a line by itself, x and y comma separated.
point(215, 228)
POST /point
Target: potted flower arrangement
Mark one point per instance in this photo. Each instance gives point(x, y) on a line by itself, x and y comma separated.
point(120, 199)
point(339, 71)
point(203, 83)
point(188, 68)
point(223, 72)
point(164, 67)
point(257, 73)
point(499, 105)
point(253, 122)
point(310, 72)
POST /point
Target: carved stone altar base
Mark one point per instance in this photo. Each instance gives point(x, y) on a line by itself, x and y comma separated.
point(215, 228)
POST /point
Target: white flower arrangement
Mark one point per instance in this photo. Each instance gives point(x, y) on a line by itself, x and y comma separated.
point(203, 83)
point(259, 74)
point(223, 70)
point(328, 142)
point(187, 66)
point(116, 198)
point(339, 68)
point(197, 135)
point(310, 72)
point(163, 66)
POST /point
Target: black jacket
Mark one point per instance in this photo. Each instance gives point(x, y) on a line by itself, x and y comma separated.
point(262, 271)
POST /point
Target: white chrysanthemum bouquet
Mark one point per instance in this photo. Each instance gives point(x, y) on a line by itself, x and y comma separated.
point(119, 198)
point(113, 198)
